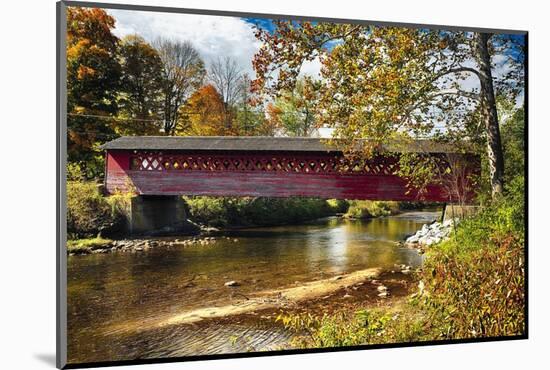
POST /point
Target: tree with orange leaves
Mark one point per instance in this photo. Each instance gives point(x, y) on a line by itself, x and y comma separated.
point(203, 114)
point(93, 75)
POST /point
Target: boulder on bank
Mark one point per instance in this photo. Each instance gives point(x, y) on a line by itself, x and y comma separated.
point(430, 234)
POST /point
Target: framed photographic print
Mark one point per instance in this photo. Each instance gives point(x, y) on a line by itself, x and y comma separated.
point(234, 184)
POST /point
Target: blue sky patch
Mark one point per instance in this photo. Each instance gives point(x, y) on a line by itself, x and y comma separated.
point(263, 23)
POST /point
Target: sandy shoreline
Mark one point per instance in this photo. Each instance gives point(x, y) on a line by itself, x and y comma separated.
point(264, 300)
point(275, 298)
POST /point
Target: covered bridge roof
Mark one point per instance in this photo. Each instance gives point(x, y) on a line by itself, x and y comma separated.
point(253, 143)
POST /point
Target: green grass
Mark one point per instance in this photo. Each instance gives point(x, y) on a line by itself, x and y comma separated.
point(86, 245)
point(89, 212)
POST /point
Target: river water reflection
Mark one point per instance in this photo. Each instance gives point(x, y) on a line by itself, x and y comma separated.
point(105, 290)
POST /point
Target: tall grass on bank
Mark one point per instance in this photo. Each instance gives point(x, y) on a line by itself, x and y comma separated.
point(90, 213)
point(473, 287)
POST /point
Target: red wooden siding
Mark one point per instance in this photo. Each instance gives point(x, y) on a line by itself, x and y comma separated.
point(275, 174)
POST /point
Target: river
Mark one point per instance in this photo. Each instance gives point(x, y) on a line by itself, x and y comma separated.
point(106, 291)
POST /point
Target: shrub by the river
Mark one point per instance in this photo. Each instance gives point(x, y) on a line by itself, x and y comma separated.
point(89, 212)
point(370, 208)
point(476, 279)
point(246, 211)
point(473, 287)
point(338, 205)
point(374, 326)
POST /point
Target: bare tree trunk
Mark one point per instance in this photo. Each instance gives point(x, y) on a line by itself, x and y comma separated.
point(494, 145)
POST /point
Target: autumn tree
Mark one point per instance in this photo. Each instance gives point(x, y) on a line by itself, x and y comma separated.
point(93, 74)
point(182, 73)
point(383, 82)
point(242, 114)
point(140, 98)
point(203, 114)
point(273, 117)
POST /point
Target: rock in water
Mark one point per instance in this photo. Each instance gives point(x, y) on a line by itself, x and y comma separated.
point(384, 294)
point(232, 283)
point(382, 288)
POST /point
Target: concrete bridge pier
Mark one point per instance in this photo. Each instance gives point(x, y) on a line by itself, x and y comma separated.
point(158, 214)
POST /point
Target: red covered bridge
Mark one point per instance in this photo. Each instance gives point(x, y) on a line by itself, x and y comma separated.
point(262, 166)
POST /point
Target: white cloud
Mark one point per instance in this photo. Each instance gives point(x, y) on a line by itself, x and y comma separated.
point(311, 68)
point(213, 36)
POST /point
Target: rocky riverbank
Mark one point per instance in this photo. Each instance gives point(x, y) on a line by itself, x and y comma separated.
point(98, 246)
point(430, 234)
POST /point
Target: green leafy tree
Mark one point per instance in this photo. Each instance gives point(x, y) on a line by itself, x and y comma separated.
point(250, 118)
point(140, 98)
point(384, 83)
point(297, 108)
point(513, 140)
point(93, 76)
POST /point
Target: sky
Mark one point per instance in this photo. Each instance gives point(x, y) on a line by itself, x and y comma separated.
point(212, 36)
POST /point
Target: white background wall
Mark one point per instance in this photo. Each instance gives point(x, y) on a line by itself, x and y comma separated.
point(27, 181)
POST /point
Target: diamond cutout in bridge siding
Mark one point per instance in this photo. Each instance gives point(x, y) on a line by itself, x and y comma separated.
point(298, 165)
